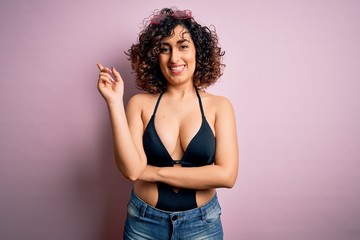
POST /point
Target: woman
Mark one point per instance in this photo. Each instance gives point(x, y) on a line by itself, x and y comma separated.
point(177, 142)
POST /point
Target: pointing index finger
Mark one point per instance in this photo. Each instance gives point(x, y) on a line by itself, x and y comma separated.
point(101, 67)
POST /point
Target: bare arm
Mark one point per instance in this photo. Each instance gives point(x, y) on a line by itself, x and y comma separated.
point(222, 174)
point(129, 158)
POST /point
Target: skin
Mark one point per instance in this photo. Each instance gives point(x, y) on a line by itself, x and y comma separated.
point(177, 120)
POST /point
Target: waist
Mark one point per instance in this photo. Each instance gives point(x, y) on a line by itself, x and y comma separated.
point(151, 211)
point(148, 192)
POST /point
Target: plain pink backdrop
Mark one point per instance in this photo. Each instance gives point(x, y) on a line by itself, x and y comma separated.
point(293, 75)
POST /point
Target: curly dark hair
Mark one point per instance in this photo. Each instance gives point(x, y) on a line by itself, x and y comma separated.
point(144, 54)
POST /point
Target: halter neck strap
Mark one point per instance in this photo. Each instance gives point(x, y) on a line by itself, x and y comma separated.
point(157, 103)
point(197, 94)
point(200, 103)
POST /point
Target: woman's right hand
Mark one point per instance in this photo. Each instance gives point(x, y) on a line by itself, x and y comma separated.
point(110, 84)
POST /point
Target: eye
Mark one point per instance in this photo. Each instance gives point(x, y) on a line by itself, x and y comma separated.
point(164, 49)
point(183, 47)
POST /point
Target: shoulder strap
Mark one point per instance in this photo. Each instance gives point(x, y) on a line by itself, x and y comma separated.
point(200, 103)
point(157, 103)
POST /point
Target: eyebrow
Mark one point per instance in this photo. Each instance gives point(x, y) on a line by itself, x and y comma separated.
point(178, 42)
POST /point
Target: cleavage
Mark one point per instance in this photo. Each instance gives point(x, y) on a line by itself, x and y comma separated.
point(176, 152)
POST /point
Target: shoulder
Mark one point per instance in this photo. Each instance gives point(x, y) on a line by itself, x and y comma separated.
point(142, 101)
point(217, 102)
point(141, 97)
point(222, 112)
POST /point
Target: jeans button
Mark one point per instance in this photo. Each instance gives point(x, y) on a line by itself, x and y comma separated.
point(174, 218)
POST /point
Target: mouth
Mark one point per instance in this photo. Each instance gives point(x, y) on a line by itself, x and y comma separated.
point(177, 69)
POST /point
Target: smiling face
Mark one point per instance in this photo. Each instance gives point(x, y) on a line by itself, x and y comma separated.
point(177, 58)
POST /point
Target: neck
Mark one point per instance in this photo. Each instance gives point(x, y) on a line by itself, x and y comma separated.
point(181, 92)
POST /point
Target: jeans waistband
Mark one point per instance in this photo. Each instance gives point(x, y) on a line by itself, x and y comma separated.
point(150, 211)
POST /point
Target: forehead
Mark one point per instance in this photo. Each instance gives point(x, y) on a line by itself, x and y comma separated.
point(179, 32)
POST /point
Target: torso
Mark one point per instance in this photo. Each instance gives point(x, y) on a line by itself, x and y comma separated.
point(176, 118)
point(148, 192)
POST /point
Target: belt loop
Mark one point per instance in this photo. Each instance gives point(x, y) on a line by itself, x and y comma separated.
point(203, 213)
point(143, 209)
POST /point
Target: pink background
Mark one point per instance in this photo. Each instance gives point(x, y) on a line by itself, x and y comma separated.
point(293, 72)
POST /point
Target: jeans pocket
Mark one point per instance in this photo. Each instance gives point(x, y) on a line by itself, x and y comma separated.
point(133, 211)
point(213, 215)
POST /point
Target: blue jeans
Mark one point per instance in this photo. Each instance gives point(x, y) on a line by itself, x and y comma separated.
point(146, 222)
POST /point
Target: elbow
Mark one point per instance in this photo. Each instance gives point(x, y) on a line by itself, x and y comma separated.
point(131, 178)
point(131, 175)
point(229, 184)
point(229, 180)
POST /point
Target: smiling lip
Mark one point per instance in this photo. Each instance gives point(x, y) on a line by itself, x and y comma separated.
point(177, 69)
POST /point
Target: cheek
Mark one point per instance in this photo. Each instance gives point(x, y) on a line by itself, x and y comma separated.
point(162, 62)
point(190, 56)
point(192, 59)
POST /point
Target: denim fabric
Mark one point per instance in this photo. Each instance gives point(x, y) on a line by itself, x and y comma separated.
point(146, 222)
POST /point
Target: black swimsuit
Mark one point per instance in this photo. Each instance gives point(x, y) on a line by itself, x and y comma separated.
point(199, 152)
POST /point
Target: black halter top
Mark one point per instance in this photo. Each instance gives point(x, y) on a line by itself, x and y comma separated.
point(199, 152)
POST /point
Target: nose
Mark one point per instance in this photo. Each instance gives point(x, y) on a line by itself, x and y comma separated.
point(175, 55)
